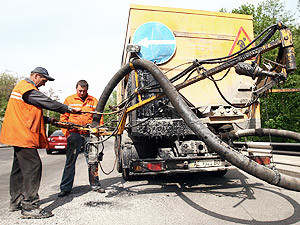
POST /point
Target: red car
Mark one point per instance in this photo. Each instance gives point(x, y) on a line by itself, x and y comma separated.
point(57, 142)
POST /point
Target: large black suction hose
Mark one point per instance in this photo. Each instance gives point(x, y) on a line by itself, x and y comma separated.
point(216, 144)
point(107, 92)
point(266, 132)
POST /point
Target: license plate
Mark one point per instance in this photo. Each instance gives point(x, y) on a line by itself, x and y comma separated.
point(206, 163)
point(59, 147)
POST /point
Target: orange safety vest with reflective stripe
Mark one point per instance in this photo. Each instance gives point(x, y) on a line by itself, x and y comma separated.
point(23, 124)
point(83, 119)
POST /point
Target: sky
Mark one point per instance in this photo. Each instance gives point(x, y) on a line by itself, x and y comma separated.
point(76, 39)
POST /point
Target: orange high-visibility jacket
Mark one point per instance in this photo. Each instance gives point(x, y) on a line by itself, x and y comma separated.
point(83, 119)
point(23, 124)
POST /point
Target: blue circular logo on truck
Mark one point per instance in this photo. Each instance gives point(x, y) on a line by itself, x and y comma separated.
point(157, 42)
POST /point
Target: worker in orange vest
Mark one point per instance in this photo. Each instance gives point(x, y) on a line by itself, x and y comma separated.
point(24, 129)
point(77, 139)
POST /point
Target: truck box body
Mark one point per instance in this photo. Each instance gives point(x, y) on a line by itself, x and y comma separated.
point(157, 139)
point(202, 35)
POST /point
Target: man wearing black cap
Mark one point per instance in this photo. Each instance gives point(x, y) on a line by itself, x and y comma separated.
point(24, 129)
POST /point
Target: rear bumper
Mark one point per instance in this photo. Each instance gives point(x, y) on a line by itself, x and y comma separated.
point(175, 166)
point(57, 147)
point(182, 171)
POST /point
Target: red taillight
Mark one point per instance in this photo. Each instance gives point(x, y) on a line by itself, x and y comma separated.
point(148, 166)
point(262, 160)
point(154, 166)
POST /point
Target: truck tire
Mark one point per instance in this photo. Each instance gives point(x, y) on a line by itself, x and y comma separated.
point(127, 153)
point(119, 164)
point(117, 148)
point(125, 175)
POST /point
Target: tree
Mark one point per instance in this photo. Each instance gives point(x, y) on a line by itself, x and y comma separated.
point(267, 13)
point(7, 83)
point(112, 101)
point(278, 110)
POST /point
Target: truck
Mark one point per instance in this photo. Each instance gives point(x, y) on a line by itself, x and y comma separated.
point(155, 139)
point(177, 112)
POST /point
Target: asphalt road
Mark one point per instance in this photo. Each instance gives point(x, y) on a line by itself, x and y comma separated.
point(237, 198)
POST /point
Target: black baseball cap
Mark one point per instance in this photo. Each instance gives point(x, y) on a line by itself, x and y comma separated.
point(42, 71)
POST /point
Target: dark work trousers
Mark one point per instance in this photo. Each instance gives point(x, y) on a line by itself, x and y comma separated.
point(25, 178)
point(74, 143)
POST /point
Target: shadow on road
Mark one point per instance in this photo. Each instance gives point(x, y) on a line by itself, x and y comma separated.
point(57, 202)
point(204, 183)
point(233, 184)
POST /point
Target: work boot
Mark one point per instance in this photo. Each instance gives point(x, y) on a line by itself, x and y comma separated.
point(99, 190)
point(13, 207)
point(63, 193)
point(35, 214)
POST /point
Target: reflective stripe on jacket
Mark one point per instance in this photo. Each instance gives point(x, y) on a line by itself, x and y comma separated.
point(83, 119)
point(23, 124)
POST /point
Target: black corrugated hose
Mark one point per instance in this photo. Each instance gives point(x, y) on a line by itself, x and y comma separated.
point(215, 143)
point(266, 132)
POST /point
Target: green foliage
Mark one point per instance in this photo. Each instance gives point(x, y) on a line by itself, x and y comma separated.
point(281, 111)
point(278, 110)
point(109, 119)
point(7, 83)
point(294, 79)
point(223, 10)
point(266, 13)
point(55, 115)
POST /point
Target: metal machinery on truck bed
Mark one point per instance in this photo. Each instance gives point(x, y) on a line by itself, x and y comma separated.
point(170, 122)
point(156, 139)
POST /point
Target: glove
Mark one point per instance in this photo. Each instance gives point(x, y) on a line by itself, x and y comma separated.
point(53, 121)
point(74, 111)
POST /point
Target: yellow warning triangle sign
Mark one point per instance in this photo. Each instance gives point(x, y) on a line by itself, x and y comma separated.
point(241, 40)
